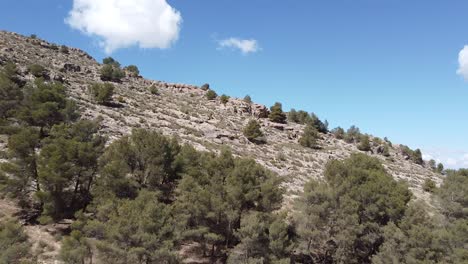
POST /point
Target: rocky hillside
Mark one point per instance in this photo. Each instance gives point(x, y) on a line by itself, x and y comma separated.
point(183, 110)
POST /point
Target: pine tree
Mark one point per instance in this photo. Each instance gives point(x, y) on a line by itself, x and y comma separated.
point(310, 137)
point(338, 132)
point(67, 167)
point(340, 220)
point(10, 93)
point(133, 70)
point(252, 131)
point(247, 99)
point(276, 114)
point(318, 124)
point(417, 157)
point(440, 168)
point(293, 116)
point(45, 104)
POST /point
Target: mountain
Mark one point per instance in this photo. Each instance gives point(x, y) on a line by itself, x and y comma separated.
point(183, 110)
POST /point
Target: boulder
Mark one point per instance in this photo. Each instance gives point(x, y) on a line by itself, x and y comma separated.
point(277, 126)
point(69, 67)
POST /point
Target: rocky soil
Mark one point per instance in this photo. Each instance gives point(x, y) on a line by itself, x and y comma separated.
point(182, 110)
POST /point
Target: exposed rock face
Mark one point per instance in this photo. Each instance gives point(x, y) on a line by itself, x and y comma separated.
point(183, 110)
point(68, 67)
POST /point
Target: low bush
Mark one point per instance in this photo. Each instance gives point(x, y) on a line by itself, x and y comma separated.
point(102, 92)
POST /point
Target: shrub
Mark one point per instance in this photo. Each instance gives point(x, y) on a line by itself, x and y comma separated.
point(247, 99)
point(386, 151)
point(224, 99)
point(106, 72)
point(364, 144)
point(134, 71)
point(36, 70)
point(309, 137)
point(352, 135)
point(154, 90)
point(211, 95)
point(338, 132)
point(33, 36)
point(276, 114)
point(75, 249)
point(64, 49)
point(102, 92)
point(14, 245)
point(252, 131)
point(111, 73)
point(205, 87)
point(10, 70)
point(429, 185)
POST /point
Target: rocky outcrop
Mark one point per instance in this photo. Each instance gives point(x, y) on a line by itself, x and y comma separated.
point(260, 111)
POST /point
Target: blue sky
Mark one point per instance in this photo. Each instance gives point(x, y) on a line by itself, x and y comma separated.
point(387, 66)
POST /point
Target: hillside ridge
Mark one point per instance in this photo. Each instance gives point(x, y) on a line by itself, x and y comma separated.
point(182, 110)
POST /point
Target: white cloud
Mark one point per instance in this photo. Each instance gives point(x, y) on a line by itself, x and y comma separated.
point(244, 45)
point(124, 23)
point(463, 63)
point(453, 159)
